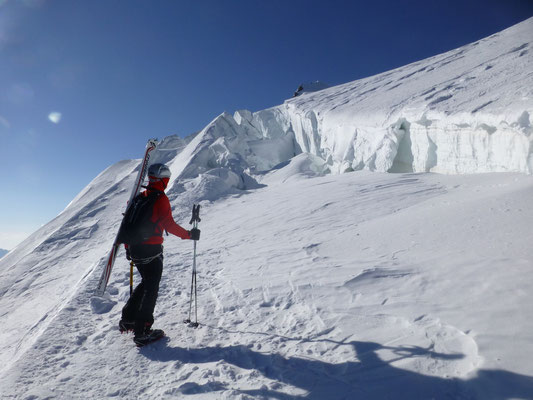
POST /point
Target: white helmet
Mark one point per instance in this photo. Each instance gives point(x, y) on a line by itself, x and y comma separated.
point(158, 171)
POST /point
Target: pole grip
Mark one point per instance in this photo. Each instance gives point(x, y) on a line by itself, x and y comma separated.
point(195, 214)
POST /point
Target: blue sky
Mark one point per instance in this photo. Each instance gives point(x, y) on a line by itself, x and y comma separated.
point(116, 72)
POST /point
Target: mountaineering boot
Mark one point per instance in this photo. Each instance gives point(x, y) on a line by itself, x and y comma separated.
point(148, 336)
point(126, 326)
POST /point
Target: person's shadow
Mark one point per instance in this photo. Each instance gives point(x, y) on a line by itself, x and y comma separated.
point(368, 378)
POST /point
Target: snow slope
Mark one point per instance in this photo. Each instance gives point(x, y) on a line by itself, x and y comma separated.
point(312, 284)
point(3, 252)
point(39, 277)
point(409, 286)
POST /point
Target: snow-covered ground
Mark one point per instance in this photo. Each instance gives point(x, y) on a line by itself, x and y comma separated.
point(312, 284)
point(410, 286)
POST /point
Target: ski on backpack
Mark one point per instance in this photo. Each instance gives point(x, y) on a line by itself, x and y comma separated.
point(110, 261)
point(137, 226)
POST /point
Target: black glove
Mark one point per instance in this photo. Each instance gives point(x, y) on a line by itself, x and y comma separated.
point(194, 234)
point(128, 255)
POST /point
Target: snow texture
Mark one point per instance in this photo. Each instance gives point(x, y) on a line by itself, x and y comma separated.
point(312, 283)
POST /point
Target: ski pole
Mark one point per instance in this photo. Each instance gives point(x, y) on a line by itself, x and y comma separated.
point(131, 278)
point(188, 320)
point(195, 324)
point(194, 221)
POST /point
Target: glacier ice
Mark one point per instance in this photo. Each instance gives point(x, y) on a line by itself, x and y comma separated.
point(464, 111)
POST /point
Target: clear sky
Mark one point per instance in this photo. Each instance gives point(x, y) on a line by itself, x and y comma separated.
point(84, 84)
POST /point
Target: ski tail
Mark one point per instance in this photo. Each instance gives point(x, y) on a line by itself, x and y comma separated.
point(110, 261)
point(106, 273)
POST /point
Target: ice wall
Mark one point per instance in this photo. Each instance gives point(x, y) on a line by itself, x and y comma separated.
point(465, 111)
point(236, 143)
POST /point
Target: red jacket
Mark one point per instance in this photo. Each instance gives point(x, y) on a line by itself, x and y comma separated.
point(163, 216)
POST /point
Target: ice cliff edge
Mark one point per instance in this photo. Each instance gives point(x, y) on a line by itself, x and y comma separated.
point(465, 111)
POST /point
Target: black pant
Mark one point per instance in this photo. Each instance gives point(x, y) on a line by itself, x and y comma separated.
point(141, 304)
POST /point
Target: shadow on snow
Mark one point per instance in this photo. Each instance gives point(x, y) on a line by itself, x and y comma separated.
point(367, 378)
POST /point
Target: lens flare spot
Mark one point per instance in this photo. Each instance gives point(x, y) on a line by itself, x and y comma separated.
point(55, 117)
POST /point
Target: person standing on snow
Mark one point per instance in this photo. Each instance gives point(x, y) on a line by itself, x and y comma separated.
point(137, 314)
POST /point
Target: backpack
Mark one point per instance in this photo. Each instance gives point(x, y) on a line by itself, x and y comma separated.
point(137, 226)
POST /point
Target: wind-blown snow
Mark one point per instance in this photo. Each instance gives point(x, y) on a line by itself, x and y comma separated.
point(312, 284)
